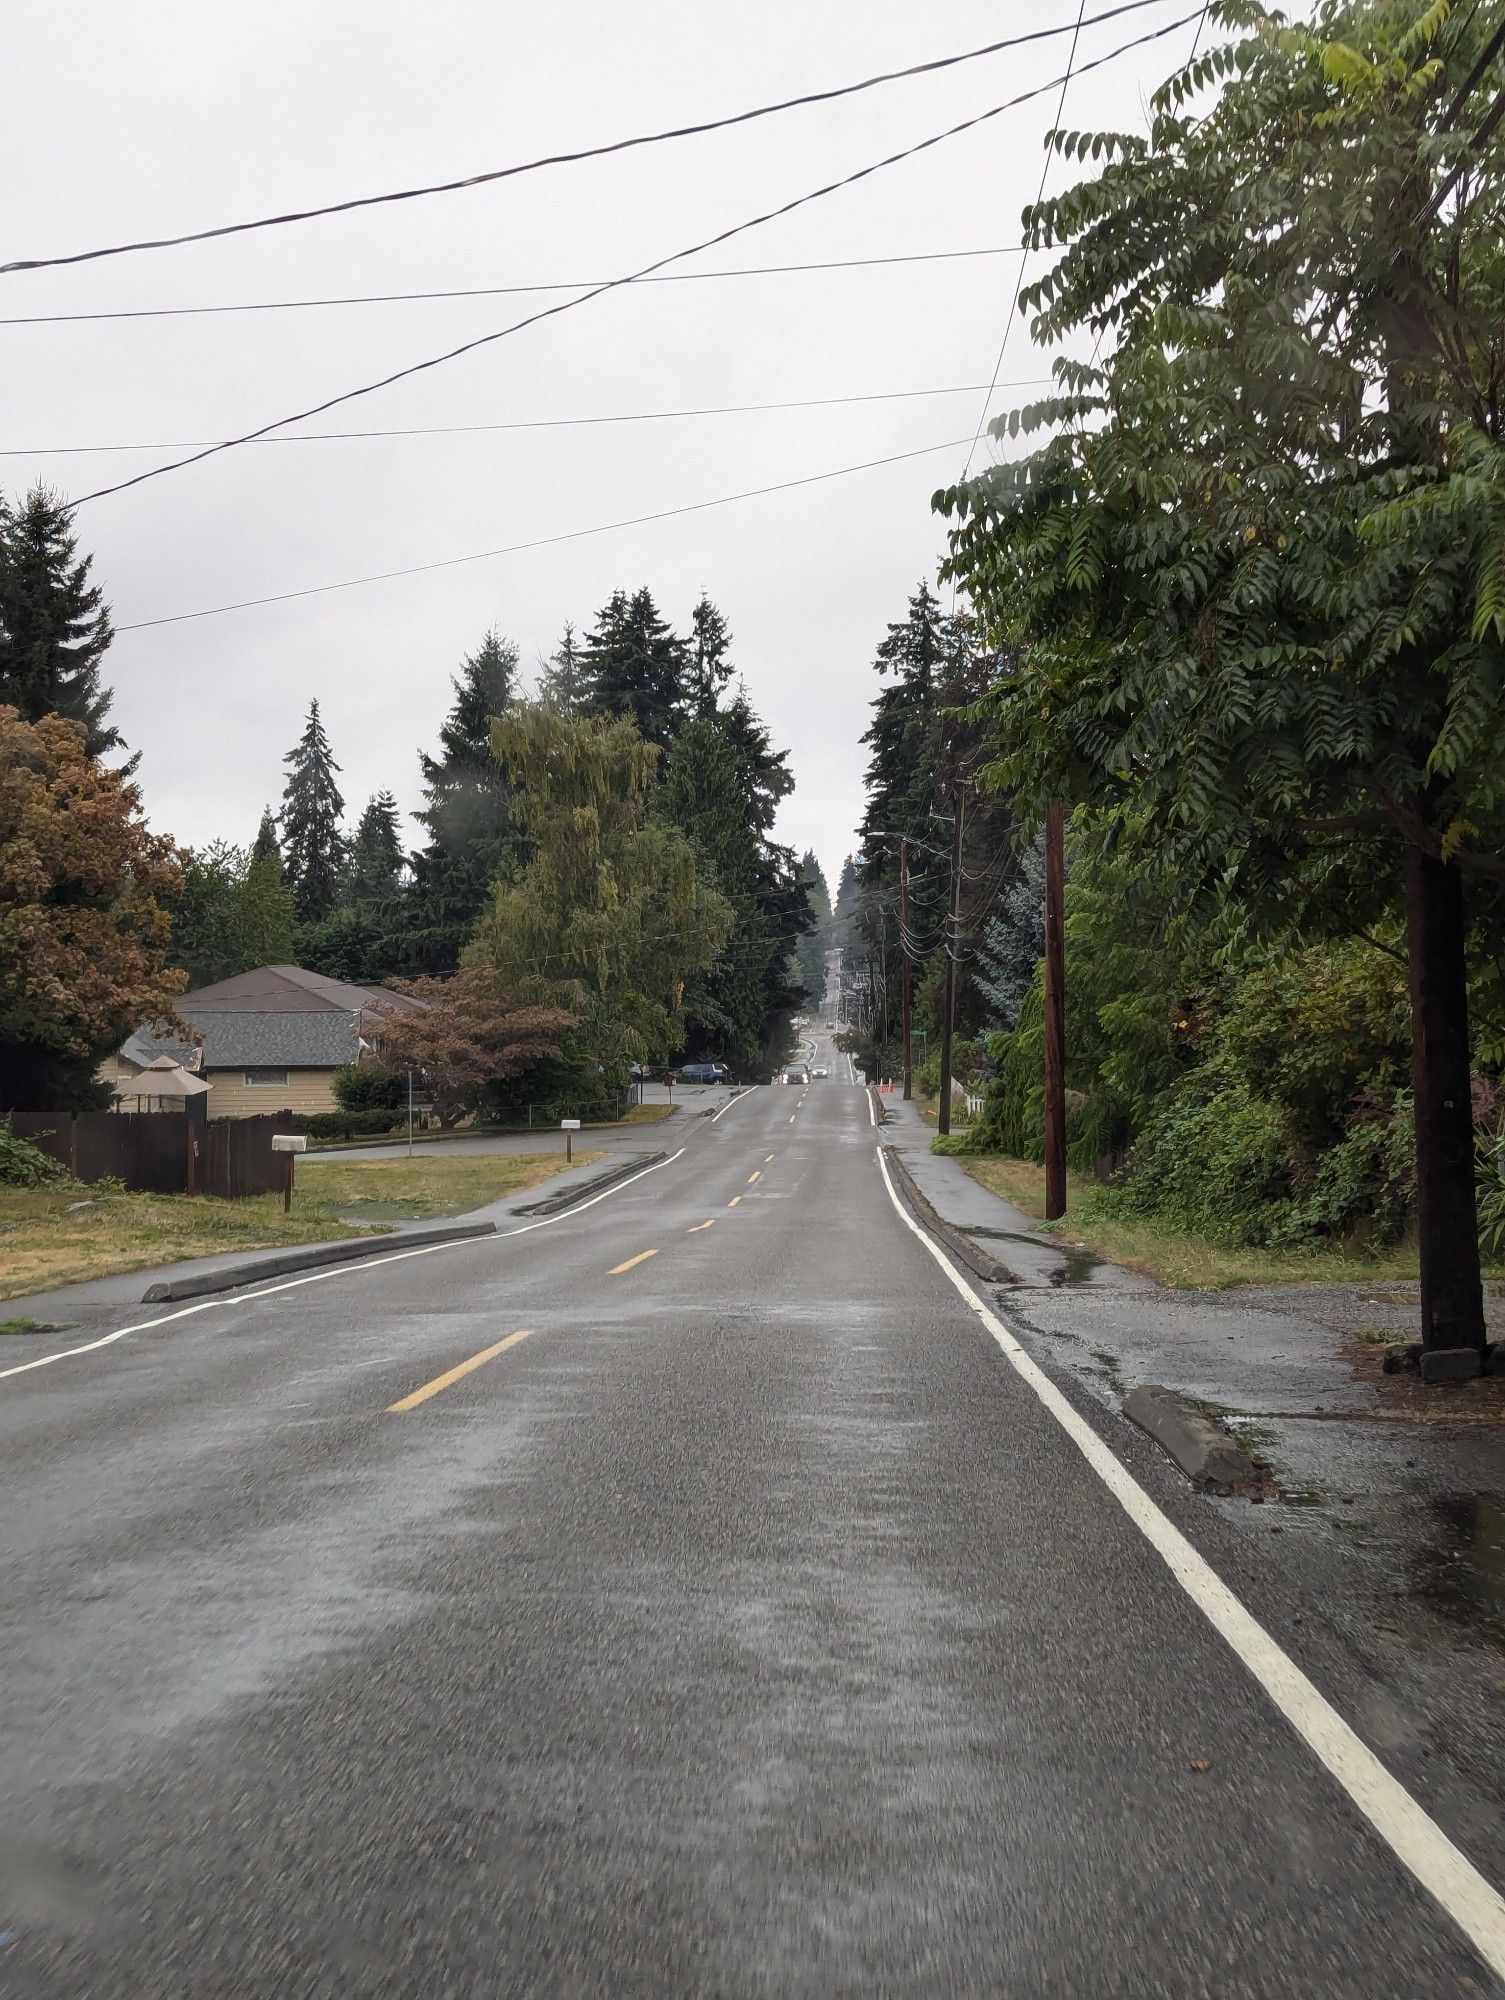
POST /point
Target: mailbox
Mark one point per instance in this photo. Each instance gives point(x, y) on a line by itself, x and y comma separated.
point(565, 1125)
point(289, 1142)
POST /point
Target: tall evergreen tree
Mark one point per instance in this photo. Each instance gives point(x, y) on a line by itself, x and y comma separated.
point(637, 666)
point(467, 812)
point(376, 857)
point(314, 848)
point(710, 666)
point(266, 847)
point(562, 681)
point(811, 949)
point(54, 623)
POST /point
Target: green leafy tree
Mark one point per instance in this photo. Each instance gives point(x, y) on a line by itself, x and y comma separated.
point(467, 812)
point(637, 667)
point(314, 848)
point(613, 911)
point(54, 623)
point(1256, 574)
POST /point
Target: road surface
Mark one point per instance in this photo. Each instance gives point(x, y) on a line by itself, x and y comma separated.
point(691, 1596)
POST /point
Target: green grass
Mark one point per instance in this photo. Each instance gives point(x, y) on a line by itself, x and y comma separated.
point(20, 1325)
point(1175, 1257)
point(49, 1240)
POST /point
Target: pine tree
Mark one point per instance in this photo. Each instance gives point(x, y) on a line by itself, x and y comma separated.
point(1013, 943)
point(811, 949)
point(468, 812)
point(266, 847)
point(376, 857)
point(710, 669)
point(314, 849)
point(562, 678)
point(637, 667)
point(54, 624)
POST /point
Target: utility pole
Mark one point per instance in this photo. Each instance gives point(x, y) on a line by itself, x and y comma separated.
point(905, 1027)
point(1055, 1011)
point(953, 940)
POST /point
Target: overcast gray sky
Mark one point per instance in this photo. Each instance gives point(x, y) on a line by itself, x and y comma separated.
point(143, 120)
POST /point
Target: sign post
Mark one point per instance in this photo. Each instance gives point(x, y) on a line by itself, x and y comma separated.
point(569, 1127)
point(289, 1145)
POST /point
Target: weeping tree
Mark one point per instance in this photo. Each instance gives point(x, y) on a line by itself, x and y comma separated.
point(1257, 570)
point(613, 911)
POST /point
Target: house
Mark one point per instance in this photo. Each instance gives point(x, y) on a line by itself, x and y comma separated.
point(268, 1040)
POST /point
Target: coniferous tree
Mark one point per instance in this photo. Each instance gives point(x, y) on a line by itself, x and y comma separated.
point(54, 623)
point(314, 848)
point(637, 667)
point(467, 812)
point(562, 681)
point(710, 668)
point(811, 949)
point(265, 846)
point(376, 857)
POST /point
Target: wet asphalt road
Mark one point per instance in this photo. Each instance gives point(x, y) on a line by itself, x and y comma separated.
point(747, 1628)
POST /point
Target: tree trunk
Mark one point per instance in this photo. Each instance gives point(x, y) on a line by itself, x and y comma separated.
point(1452, 1298)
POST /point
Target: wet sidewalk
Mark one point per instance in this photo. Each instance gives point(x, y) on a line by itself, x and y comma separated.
point(1400, 1484)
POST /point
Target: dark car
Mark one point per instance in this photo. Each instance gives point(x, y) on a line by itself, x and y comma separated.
point(701, 1072)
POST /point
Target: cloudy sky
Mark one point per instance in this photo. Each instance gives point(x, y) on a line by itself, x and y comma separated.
point(151, 119)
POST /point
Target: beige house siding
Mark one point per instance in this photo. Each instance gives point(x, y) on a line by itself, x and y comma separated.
point(230, 1096)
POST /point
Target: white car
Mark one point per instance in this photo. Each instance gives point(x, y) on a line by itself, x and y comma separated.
point(819, 1072)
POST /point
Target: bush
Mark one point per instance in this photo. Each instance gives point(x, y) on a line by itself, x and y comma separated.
point(1217, 1161)
point(371, 1087)
point(25, 1165)
point(347, 1124)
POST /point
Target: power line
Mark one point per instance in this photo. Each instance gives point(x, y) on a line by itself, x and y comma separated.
point(1008, 324)
point(531, 423)
point(633, 277)
point(541, 542)
point(504, 291)
point(560, 159)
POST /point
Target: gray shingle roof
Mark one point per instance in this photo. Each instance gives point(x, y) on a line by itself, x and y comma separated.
point(275, 1017)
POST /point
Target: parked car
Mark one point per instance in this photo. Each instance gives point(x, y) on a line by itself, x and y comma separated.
point(703, 1072)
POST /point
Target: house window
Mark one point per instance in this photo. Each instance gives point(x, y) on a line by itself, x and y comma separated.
point(277, 1077)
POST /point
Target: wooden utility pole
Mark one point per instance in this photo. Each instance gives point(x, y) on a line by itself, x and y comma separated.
point(953, 942)
point(906, 1028)
point(1055, 1011)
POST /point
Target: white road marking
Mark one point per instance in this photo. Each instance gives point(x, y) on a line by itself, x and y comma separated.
point(872, 1107)
point(716, 1116)
point(355, 1269)
point(1472, 1901)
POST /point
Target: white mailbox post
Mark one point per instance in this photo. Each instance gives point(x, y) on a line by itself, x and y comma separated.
point(569, 1127)
point(288, 1144)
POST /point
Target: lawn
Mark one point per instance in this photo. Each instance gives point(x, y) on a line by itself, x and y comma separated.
point(1174, 1258)
point(59, 1235)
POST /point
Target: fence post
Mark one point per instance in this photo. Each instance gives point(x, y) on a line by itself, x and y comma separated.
point(73, 1145)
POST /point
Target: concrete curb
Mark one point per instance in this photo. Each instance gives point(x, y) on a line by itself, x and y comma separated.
point(1207, 1455)
point(233, 1276)
point(557, 1203)
point(977, 1261)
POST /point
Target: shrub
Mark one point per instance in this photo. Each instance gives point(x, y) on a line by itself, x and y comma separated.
point(371, 1086)
point(1217, 1161)
point(25, 1165)
point(347, 1124)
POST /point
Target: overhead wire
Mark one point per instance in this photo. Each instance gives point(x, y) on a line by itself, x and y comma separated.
point(633, 277)
point(539, 542)
point(1008, 323)
point(603, 151)
point(507, 291)
point(525, 423)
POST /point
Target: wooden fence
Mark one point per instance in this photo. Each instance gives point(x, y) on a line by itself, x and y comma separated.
point(161, 1152)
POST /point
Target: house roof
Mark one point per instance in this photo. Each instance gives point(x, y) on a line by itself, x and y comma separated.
point(275, 1017)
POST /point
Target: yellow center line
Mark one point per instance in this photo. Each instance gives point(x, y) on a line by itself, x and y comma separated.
point(770, 1156)
point(453, 1374)
point(627, 1264)
point(755, 1177)
point(791, 1117)
point(734, 1200)
point(701, 1225)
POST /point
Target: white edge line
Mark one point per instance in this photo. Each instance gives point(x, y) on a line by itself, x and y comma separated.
point(872, 1107)
point(1473, 1903)
point(356, 1268)
point(716, 1116)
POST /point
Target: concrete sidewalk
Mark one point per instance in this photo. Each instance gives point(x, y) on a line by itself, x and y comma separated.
point(1408, 1481)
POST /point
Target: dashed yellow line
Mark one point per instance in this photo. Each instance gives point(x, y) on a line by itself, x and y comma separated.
point(755, 1177)
point(701, 1225)
point(734, 1200)
point(770, 1157)
point(628, 1262)
point(453, 1374)
point(791, 1117)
